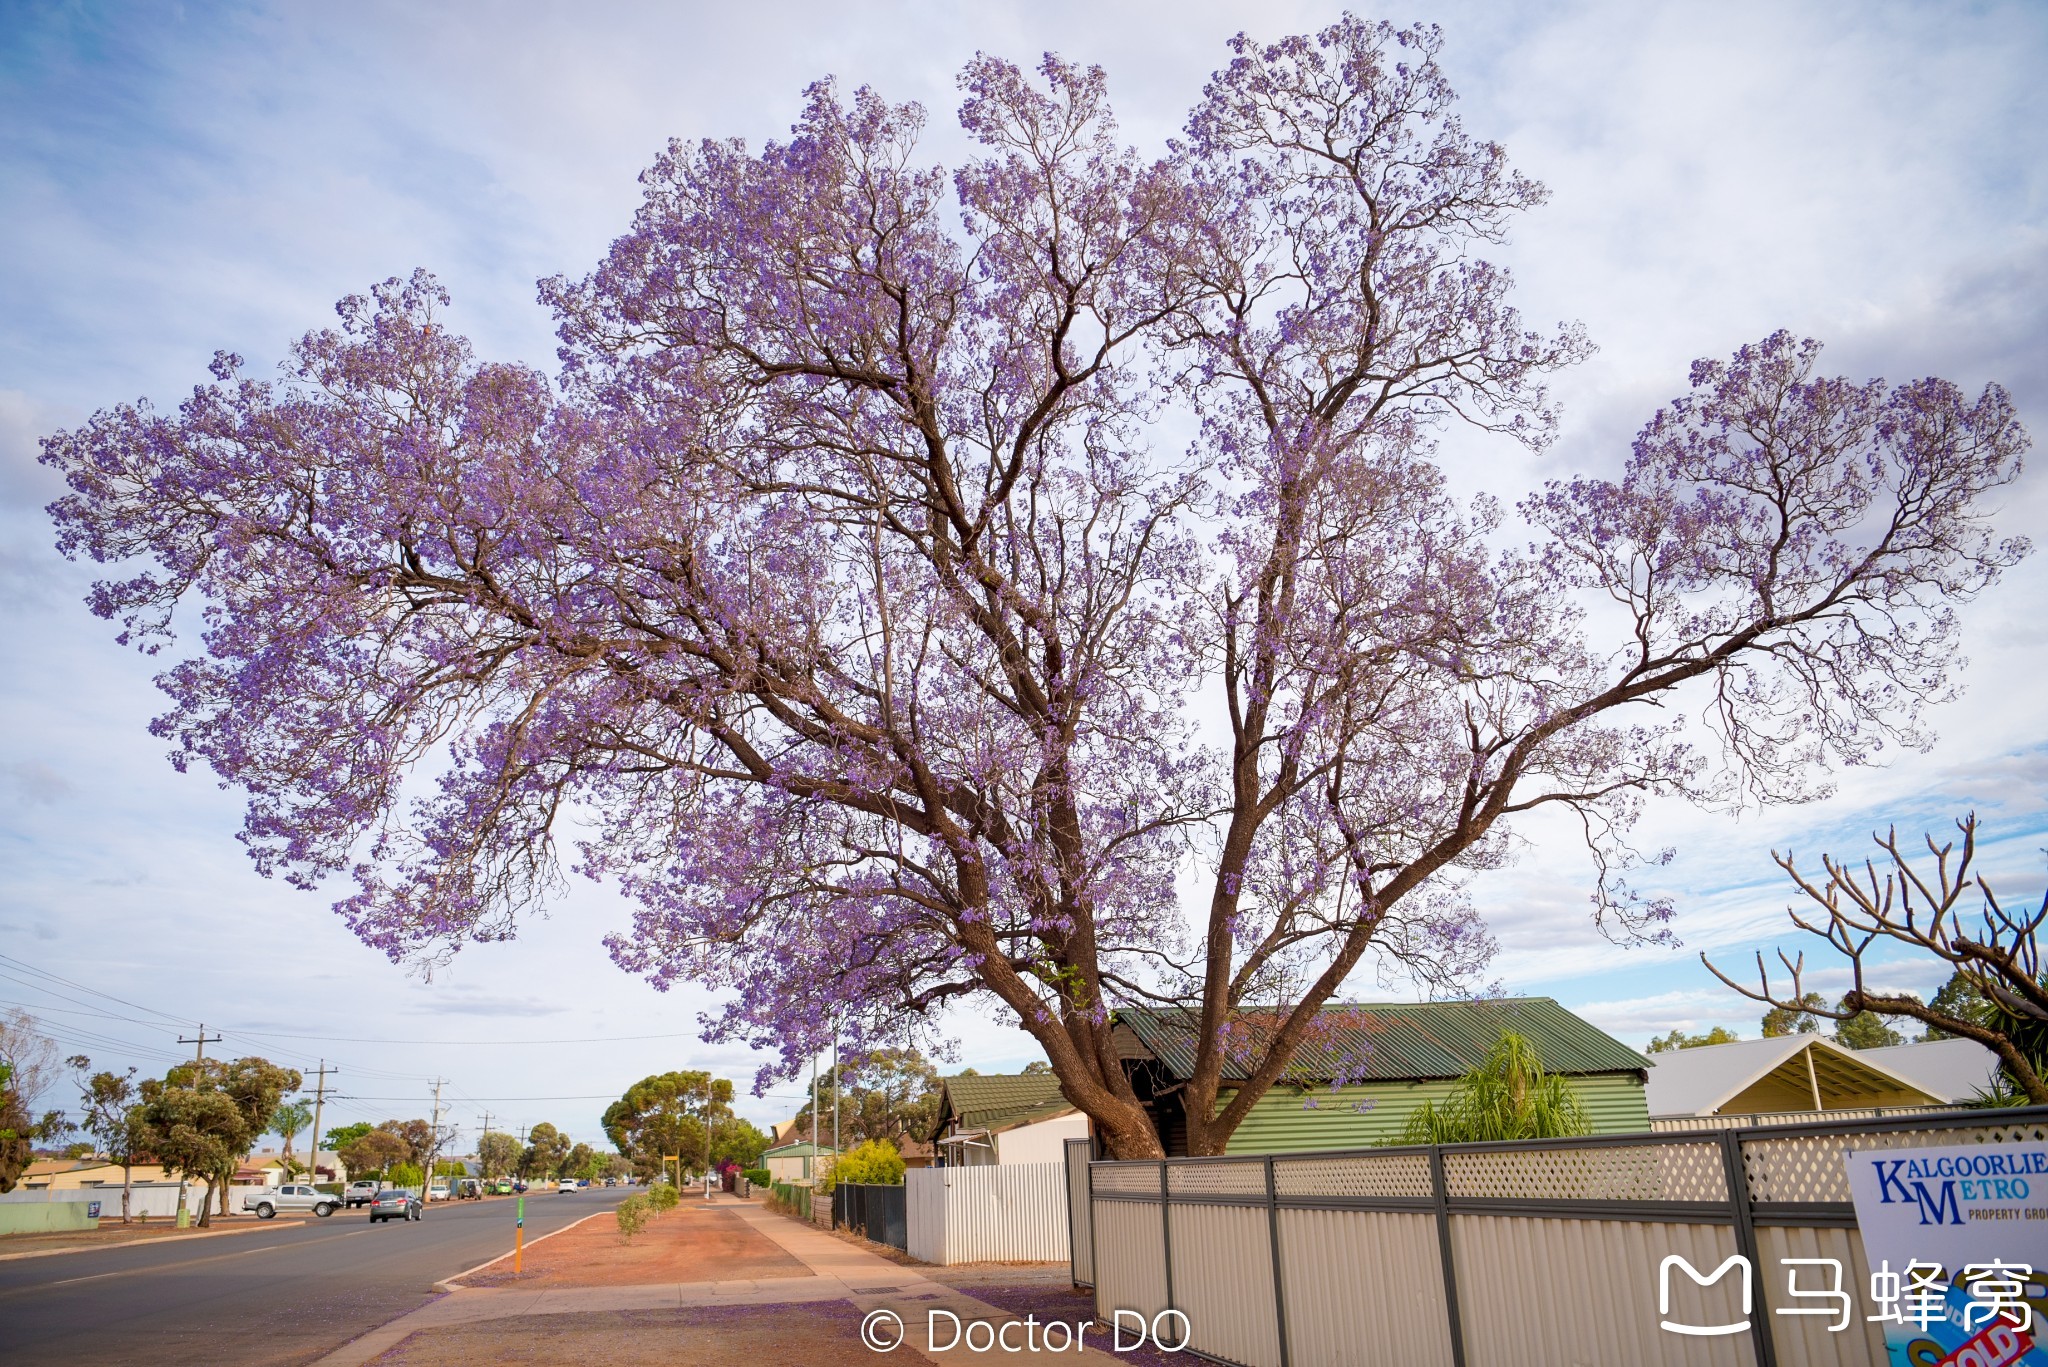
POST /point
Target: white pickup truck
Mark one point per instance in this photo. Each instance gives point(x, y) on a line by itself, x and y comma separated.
point(268, 1201)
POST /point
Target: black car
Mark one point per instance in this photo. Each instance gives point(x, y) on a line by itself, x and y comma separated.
point(395, 1203)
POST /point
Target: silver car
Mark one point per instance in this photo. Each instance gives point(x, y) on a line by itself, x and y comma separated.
point(269, 1201)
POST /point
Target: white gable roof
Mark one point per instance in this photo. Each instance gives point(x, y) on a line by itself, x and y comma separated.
point(1952, 1069)
point(1701, 1080)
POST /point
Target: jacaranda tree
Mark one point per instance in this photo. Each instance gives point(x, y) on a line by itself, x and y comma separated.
point(907, 578)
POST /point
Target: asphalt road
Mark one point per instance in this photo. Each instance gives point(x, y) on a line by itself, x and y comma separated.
point(284, 1295)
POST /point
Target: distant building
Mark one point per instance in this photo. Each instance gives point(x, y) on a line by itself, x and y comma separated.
point(1810, 1073)
point(1005, 1118)
point(1393, 1057)
point(798, 1164)
point(266, 1168)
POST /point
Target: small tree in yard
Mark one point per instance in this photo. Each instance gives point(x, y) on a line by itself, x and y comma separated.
point(1945, 912)
point(497, 1153)
point(287, 1121)
point(373, 1150)
point(1509, 1096)
point(109, 1115)
point(842, 582)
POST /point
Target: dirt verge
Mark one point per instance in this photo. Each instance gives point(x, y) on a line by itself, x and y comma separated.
point(681, 1245)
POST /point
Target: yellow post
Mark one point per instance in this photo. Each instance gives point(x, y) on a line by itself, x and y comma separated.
point(519, 1239)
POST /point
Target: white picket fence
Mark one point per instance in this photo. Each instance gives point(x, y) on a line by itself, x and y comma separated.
point(1015, 1212)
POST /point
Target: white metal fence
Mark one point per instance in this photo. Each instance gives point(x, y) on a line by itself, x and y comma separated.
point(154, 1199)
point(1533, 1254)
point(1013, 1212)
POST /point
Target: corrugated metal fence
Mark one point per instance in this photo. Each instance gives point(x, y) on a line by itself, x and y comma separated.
point(1008, 1212)
point(1534, 1254)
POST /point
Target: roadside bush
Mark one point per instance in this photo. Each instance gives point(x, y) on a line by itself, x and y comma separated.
point(634, 1212)
point(407, 1175)
point(663, 1196)
point(875, 1163)
point(758, 1176)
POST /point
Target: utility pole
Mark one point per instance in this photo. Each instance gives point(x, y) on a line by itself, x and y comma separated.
point(319, 1100)
point(427, 1178)
point(835, 1087)
point(482, 1135)
point(204, 1039)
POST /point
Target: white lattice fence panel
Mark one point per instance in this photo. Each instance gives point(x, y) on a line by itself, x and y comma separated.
point(1811, 1167)
point(1361, 1175)
point(1630, 1173)
point(1214, 1177)
point(1127, 1179)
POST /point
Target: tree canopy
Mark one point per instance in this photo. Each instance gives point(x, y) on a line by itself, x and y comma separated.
point(202, 1117)
point(855, 576)
point(547, 1148)
point(891, 1094)
point(1678, 1039)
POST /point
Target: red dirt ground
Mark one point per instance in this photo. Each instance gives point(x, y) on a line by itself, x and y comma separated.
point(682, 1245)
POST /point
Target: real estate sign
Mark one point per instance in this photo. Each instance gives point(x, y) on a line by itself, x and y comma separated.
point(1957, 1242)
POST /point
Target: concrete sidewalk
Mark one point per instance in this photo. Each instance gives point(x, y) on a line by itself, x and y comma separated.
point(840, 1271)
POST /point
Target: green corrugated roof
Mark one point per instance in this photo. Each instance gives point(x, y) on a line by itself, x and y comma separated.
point(1384, 1041)
point(993, 1103)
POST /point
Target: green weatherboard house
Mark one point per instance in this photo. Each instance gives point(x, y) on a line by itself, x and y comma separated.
point(1400, 1055)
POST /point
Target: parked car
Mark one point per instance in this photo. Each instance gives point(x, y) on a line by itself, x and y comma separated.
point(503, 1186)
point(469, 1189)
point(359, 1194)
point(395, 1203)
point(520, 1185)
point(437, 1190)
point(568, 1184)
point(268, 1201)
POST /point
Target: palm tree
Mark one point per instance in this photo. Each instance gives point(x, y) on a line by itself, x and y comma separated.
point(288, 1120)
point(1509, 1096)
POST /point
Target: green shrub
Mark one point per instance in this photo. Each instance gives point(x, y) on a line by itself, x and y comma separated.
point(406, 1175)
point(634, 1213)
point(1509, 1096)
point(758, 1176)
point(876, 1163)
point(663, 1196)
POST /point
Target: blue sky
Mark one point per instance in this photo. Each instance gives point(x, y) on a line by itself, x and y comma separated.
point(184, 178)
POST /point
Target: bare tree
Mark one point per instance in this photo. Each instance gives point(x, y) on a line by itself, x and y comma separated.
point(1995, 952)
point(30, 1053)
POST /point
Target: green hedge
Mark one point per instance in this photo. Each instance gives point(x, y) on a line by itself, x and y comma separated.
point(758, 1176)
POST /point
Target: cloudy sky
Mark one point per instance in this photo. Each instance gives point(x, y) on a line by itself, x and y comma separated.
point(182, 178)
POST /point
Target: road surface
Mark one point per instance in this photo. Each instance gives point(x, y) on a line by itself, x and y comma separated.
point(284, 1295)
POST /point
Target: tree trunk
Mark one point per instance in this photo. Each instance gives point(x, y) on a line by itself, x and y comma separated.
point(1126, 1131)
point(127, 1185)
point(206, 1205)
